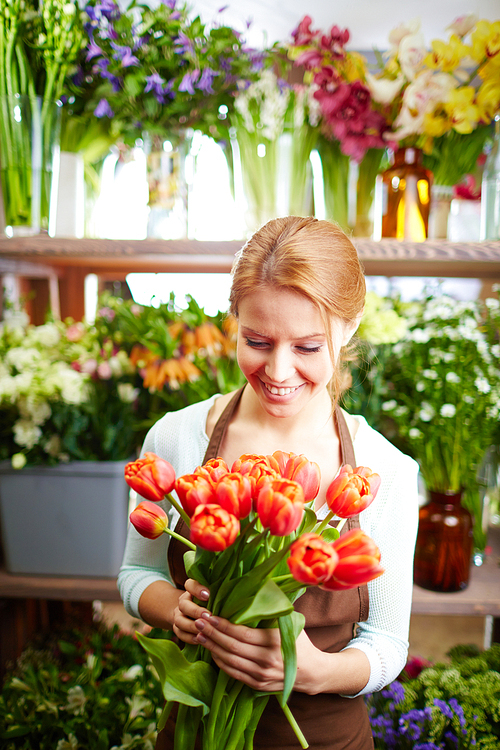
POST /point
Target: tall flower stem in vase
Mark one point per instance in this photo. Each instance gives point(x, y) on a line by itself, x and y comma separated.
point(304, 136)
point(335, 166)
point(368, 170)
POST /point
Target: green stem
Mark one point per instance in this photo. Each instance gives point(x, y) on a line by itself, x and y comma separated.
point(291, 720)
point(180, 510)
point(181, 538)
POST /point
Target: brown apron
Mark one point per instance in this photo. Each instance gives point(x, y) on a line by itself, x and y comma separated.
point(328, 721)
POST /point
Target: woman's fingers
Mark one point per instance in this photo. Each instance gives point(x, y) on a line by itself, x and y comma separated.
point(188, 610)
point(197, 590)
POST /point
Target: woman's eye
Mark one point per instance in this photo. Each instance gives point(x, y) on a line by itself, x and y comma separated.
point(309, 349)
point(255, 344)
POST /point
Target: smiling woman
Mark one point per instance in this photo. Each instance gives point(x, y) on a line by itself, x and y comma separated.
point(297, 293)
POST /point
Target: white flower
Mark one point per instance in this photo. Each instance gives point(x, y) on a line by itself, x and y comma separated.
point(448, 356)
point(137, 705)
point(401, 411)
point(18, 461)
point(468, 399)
point(39, 411)
point(26, 433)
point(70, 744)
point(21, 357)
point(463, 24)
point(414, 433)
point(127, 393)
point(492, 304)
point(495, 350)
point(426, 413)
point(76, 700)
point(430, 374)
point(403, 29)
point(389, 405)
point(420, 335)
point(420, 387)
point(132, 672)
point(482, 385)
point(72, 384)
point(452, 377)
point(46, 335)
point(411, 52)
point(384, 90)
point(448, 410)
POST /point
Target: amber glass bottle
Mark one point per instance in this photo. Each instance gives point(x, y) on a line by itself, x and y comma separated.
point(405, 193)
point(444, 544)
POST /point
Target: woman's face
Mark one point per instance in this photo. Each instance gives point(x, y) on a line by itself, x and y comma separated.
point(283, 350)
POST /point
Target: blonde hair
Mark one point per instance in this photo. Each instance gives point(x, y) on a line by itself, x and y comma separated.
point(313, 258)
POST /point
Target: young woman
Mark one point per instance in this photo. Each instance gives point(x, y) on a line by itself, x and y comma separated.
point(298, 294)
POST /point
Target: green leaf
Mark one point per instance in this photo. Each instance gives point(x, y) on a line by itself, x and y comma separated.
point(309, 521)
point(194, 568)
point(330, 534)
point(290, 626)
point(269, 602)
point(191, 684)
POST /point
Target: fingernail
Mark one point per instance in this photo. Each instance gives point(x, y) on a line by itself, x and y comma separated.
point(201, 638)
point(205, 594)
point(206, 615)
point(199, 624)
point(213, 621)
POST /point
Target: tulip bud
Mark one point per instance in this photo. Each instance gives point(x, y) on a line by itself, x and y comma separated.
point(149, 519)
point(306, 473)
point(234, 493)
point(352, 491)
point(312, 560)
point(150, 476)
point(245, 463)
point(213, 470)
point(280, 506)
point(359, 561)
point(213, 528)
point(194, 490)
point(279, 460)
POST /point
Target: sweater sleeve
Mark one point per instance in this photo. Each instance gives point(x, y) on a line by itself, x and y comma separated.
point(180, 438)
point(391, 521)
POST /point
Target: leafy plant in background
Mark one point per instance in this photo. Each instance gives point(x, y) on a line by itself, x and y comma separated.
point(75, 391)
point(448, 706)
point(87, 688)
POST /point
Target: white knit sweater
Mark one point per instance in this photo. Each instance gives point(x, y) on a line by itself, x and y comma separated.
point(391, 521)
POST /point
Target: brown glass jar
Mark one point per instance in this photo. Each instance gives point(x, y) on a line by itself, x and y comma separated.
point(405, 195)
point(444, 543)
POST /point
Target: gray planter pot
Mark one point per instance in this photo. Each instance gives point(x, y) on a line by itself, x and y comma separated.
point(68, 520)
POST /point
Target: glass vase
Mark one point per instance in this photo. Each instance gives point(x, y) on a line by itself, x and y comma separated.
point(167, 185)
point(368, 170)
point(490, 190)
point(29, 149)
point(335, 166)
point(403, 198)
point(444, 543)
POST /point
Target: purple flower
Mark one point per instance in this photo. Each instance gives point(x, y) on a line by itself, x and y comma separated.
point(444, 708)
point(455, 705)
point(205, 82)
point(183, 44)
point(103, 109)
point(154, 83)
point(125, 55)
point(187, 83)
point(93, 50)
point(169, 3)
point(109, 9)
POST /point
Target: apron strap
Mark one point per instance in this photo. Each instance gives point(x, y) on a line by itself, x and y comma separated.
point(221, 425)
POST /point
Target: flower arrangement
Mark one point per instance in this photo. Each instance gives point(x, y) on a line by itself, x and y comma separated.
point(441, 100)
point(83, 686)
point(256, 544)
point(445, 706)
point(75, 391)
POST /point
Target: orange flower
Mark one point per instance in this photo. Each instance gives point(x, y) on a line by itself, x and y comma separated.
point(352, 491)
point(245, 463)
point(213, 470)
point(149, 519)
point(306, 473)
point(194, 490)
point(213, 528)
point(234, 493)
point(141, 356)
point(150, 476)
point(209, 337)
point(312, 560)
point(280, 506)
point(359, 561)
point(279, 460)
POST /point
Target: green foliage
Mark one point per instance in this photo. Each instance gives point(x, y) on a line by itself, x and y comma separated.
point(89, 687)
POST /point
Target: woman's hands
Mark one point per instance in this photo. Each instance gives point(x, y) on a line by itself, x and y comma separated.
point(251, 655)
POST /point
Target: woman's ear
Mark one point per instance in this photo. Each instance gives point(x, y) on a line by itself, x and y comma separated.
point(351, 327)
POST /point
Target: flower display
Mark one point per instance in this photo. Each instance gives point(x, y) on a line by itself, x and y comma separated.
point(256, 556)
point(80, 391)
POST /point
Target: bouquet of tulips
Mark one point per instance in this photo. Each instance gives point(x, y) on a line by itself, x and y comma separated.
point(256, 543)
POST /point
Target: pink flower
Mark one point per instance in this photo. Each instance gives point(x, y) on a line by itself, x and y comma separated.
point(303, 35)
point(75, 332)
point(104, 371)
point(89, 366)
point(335, 42)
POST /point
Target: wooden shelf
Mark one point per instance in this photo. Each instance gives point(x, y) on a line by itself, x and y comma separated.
point(57, 587)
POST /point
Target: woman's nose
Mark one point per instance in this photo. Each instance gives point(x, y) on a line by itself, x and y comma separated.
point(279, 366)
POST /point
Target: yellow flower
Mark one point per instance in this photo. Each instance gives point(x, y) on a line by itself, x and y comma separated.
point(486, 41)
point(488, 99)
point(463, 111)
point(437, 123)
point(446, 56)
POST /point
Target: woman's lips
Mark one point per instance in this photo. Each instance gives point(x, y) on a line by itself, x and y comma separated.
point(280, 391)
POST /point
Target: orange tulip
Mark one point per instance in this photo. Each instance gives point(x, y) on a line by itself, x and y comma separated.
point(306, 473)
point(213, 528)
point(149, 519)
point(279, 460)
point(245, 463)
point(359, 561)
point(213, 470)
point(280, 505)
point(194, 490)
point(312, 560)
point(352, 491)
point(150, 476)
point(234, 493)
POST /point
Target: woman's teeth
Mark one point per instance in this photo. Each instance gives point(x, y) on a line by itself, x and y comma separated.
point(280, 391)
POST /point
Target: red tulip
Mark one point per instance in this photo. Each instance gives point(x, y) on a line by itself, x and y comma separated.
point(150, 476)
point(213, 528)
point(194, 490)
point(279, 460)
point(260, 475)
point(245, 463)
point(280, 505)
point(359, 561)
point(352, 491)
point(234, 493)
point(213, 470)
point(306, 473)
point(312, 560)
point(149, 519)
